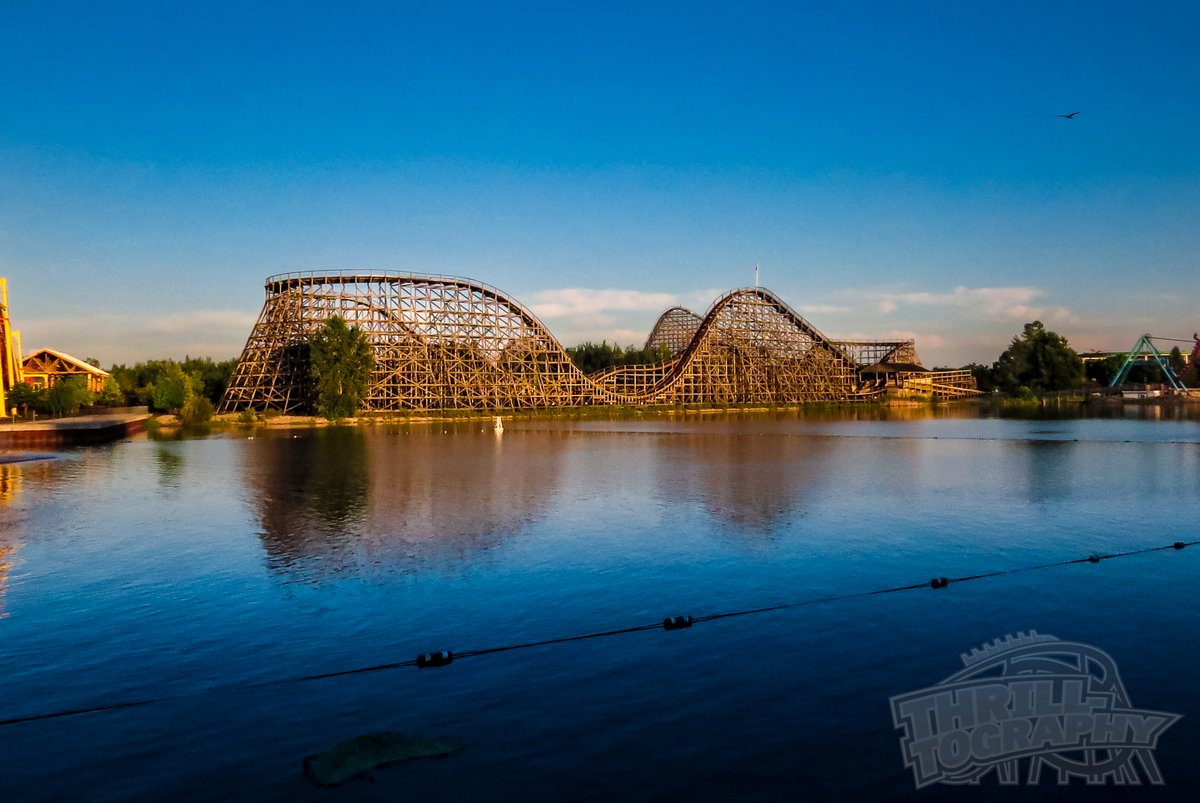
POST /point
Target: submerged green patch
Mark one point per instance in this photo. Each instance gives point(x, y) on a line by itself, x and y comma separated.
point(370, 751)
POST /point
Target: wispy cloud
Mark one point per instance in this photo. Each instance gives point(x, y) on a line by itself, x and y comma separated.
point(821, 309)
point(1016, 303)
point(113, 338)
point(581, 302)
point(700, 300)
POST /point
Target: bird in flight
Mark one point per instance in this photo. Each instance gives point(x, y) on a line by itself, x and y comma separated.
point(1067, 116)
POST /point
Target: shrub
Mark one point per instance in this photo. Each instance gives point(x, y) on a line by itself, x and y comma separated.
point(196, 410)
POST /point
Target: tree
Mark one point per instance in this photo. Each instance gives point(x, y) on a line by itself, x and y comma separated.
point(985, 376)
point(212, 377)
point(591, 357)
point(111, 395)
point(196, 410)
point(1039, 360)
point(1176, 361)
point(27, 397)
point(68, 395)
point(138, 382)
point(341, 363)
point(171, 389)
point(1102, 371)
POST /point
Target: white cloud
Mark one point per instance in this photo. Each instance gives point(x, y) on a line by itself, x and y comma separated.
point(819, 309)
point(624, 337)
point(113, 338)
point(1015, 303)
point(577, 302)
point(699, 301)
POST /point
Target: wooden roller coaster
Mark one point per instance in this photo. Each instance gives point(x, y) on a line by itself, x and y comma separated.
point(442, 342)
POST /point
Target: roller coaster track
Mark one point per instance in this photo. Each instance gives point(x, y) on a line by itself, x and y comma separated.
point(674, 329)
point(444, 342)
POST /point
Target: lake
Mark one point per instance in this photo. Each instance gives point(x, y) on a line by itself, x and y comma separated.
point(197, 573)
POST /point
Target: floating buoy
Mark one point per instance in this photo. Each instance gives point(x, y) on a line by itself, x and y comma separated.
point(430, 659)
point(1179, 545)
point(939, 582)
point(1093, 558)
point(677, 622)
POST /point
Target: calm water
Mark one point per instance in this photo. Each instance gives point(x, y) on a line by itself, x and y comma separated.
point(195, 568)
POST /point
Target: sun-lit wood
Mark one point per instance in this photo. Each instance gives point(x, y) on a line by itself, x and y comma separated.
point(442, 342)
point(46, 367)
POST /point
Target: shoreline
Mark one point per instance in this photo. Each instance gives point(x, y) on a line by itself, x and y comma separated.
point(273, 420)
point(597, 412)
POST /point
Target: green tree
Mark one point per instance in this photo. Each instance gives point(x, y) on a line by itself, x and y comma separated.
point(1191, 377)
point(212, 377)
point(68, 395)
point(139, 381)
point(1039, 360)
point(591, 357)
point(985, 376)
point(26, 396)
point(111, 395)
point(1102, 371)
point(341, 360)
point(171, 389)
point(1176, 361)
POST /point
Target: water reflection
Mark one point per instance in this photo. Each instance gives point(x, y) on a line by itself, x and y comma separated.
point(347, 500)
point(309, 491)
point(1050, 475)
point(10, 482)
point(15, 478)
point(337, 485)
point(749, 481)
point(170, 465)
point(10, 487)
point(7, 556)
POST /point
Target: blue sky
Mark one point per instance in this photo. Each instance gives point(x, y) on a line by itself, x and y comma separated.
point(896, 168)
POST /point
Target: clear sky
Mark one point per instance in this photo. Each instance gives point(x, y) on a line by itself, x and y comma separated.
point(897, 168)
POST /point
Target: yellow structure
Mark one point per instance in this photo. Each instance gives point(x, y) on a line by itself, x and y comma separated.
point(10, 350)
point(46, 367)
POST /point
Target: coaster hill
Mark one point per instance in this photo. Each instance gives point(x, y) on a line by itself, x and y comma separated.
point(444, 342)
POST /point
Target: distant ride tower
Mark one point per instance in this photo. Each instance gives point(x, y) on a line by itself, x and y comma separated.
point(1144, 352)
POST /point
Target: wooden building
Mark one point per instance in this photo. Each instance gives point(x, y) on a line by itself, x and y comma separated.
point(46, 367)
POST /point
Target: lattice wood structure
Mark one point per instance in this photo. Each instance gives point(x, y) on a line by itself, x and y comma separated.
point(443, 342)
point(674, 329)
point(939, 384)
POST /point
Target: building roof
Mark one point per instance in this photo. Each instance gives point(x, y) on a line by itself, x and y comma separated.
point(73, 362)
point(894, 368)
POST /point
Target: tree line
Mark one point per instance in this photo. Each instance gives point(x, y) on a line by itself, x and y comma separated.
point(1039, 361)
point(190, 388)
point(591, 357)
point(339, 357)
